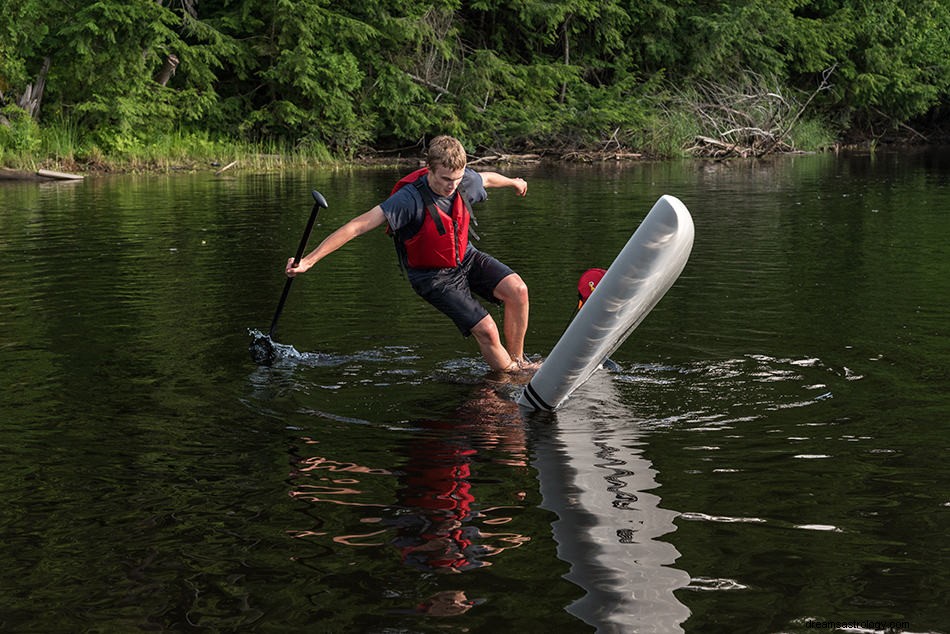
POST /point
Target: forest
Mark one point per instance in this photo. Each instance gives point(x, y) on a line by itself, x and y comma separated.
point(93, 81)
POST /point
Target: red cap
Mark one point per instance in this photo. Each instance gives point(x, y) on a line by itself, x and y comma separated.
point(588, 282)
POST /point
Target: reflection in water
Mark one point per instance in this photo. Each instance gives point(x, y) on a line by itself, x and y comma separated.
point(135, 445)
point(447, 603)
point(430, 506)
point(434, 520)
point(437, 534)
point(596, 479)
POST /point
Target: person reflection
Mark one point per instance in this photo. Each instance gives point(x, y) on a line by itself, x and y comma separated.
point(437, 523)
point(447, 603)
point(434, 531)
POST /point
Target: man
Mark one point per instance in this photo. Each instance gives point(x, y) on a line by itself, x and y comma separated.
point(429, 215)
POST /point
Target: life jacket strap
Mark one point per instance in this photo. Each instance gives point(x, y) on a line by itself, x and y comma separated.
point(430, 205)
point(472, 221)
point(433, 209)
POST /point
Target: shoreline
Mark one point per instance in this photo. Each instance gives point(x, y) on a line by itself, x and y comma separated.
point(52, 169)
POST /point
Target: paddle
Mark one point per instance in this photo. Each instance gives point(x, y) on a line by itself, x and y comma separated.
point(320, 202)
point(262, 348)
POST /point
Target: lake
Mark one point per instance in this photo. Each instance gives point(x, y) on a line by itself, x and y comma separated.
point(771, 455)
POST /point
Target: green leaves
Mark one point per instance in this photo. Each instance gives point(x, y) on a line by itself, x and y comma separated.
point(344, 74)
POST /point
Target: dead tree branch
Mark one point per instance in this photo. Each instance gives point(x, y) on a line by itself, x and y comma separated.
point(745, 118)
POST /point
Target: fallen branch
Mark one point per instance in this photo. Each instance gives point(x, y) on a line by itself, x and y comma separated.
point(824, 85)
point(506, 158)
point(226, 167)
point(39, 175)
point(429, 84)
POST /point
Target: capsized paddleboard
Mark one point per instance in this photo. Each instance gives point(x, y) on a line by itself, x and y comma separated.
point(642, 272)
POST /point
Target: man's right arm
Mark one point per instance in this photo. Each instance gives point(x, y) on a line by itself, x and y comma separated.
point(352, 229)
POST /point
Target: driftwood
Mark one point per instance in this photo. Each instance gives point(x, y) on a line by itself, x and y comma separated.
point(600, 156)
point(60, 176)
point(506, 158)
point(226, 167)
point(717, 148)
point(580, 156)
point(39, 175)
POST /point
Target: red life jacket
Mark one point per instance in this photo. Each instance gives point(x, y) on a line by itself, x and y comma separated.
point(442, 239)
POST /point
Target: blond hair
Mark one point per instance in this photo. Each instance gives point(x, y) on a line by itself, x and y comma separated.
point(446, 151)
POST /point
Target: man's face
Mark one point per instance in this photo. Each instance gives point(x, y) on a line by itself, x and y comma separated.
point(444, 181)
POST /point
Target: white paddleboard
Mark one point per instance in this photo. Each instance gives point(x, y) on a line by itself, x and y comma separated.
point(640, 275)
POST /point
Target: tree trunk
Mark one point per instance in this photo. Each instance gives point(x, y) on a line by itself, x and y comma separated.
point(567, 55)
point(168, 70)
point(32, 96)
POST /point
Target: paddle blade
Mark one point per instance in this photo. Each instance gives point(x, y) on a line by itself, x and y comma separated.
point(262, 348)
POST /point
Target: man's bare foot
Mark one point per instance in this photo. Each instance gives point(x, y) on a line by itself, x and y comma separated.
point(523, 365)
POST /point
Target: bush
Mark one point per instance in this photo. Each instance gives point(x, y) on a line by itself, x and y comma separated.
point(19, 133)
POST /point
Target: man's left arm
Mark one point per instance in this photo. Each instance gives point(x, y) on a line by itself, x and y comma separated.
point(494, 179)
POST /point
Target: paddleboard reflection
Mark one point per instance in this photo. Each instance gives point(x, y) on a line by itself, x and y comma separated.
point(595, 477)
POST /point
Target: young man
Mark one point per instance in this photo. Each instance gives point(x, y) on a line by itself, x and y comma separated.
point(429, 215)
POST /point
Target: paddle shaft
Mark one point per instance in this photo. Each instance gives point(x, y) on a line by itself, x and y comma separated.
point(320, 201)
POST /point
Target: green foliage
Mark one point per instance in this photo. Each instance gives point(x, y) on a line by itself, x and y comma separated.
point(320, 76)
point(19, 134)
point(22, 26)
point(899, 61)
point(812, 135)
point(890, 63)
point(749, 35)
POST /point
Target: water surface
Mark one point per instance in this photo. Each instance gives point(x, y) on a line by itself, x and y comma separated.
point(771, 454)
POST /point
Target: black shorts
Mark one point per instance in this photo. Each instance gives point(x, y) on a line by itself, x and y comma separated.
point(451, 290)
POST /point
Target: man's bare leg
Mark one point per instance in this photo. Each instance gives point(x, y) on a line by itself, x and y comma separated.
point(513, 292)
point(489, 342)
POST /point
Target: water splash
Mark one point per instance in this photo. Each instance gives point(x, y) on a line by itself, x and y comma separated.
point(266, 351)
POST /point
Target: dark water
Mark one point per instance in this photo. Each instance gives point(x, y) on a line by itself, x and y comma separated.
point(771, 457)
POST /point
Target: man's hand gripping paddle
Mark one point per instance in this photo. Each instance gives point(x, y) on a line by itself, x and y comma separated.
point(262, 348)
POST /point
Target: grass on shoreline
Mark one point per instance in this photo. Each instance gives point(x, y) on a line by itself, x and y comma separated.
point(60, 146)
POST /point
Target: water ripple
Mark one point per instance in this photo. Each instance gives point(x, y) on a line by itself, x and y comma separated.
point(703, 517)
point(706, 585)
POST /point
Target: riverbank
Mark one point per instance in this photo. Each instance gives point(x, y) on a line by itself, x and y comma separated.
point(229, 158)
point(44, 169)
